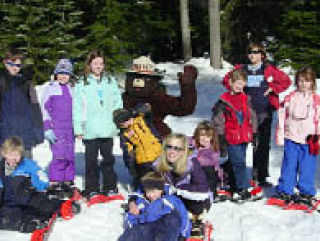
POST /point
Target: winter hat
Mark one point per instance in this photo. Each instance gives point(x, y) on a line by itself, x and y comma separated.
point(64, 66)
point(152, 180)
point(121, 116)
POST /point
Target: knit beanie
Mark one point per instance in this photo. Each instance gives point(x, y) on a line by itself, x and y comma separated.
point(121, 115)
point(64, 66)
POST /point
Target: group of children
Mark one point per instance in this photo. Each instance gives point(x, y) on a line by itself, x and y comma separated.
point(91, 110)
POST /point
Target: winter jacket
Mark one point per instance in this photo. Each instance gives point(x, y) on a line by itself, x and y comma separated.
point(152, 211)
point(163, 105)
point(92, 116)
point(20, 113)
point(56, 106)
point(298, 117)
point(277, 80)
point(146, 145)
point(192, 184)
point(234, 118)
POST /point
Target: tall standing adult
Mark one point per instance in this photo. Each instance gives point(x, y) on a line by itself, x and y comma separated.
point(265, 83)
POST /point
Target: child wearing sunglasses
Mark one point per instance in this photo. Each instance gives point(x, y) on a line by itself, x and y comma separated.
point(235, 122)
point(20, 112)
point(264, 84)
point(139, 140)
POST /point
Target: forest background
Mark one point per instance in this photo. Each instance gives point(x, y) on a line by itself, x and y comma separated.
point(48, 30)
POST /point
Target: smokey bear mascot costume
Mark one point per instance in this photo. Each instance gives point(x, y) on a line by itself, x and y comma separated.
point(142, 86)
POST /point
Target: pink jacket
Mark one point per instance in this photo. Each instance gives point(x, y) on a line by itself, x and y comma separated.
point(298, 117)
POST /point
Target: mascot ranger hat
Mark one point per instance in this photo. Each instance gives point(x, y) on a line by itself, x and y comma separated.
point(143, 79)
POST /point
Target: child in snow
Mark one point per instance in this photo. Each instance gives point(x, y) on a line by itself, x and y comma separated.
point(235, 121)
point(264, 84)
point(20, 112)
point(140, 142)
point(154, 215)
point(56, 108)
point(24, 205)
point(207, 153)
point(95, 97)
point(298, 130)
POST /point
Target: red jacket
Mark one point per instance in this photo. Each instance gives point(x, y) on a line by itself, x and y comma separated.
point(277, 80)
point(237, 129)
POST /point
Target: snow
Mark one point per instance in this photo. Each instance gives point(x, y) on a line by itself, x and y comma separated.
point(250, 221)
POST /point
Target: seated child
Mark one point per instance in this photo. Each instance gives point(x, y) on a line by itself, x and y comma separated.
point(24, 205)
point(140, 141)
point(154, 215)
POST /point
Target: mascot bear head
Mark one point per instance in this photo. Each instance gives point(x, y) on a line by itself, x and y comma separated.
point(142, 80)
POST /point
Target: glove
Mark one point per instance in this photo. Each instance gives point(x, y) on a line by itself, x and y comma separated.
point(50, 136)
point(313, 142)
point(189, 75)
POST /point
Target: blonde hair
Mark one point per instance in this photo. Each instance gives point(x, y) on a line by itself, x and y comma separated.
point(308, 73)
point(207, 129)
point(13, 143)
point(178, 167)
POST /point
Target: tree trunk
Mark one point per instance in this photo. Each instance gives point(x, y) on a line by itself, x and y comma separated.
point(185, 30)
point(215, 40)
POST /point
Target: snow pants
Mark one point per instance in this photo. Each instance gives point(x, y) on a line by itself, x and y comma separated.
point(262, 149)
point(298, 169)
point(62, 166)
point(237, 157)
point(163, 229)
point(92, 173)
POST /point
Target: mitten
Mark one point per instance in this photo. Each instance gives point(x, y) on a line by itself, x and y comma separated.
point(313, 142)
point(50, 136)
point(189, 75)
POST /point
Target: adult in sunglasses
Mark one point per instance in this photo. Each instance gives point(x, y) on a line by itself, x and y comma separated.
point(185, 176)
point(265, 83)
point(20, 113)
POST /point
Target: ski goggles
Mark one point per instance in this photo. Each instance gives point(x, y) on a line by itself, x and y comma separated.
point(11, 64)
point(175, 148)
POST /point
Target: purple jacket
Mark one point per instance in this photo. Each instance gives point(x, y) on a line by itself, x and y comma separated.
point(191, 185)
point(56, 106)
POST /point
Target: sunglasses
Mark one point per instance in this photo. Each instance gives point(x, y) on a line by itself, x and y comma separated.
point(11, 64)
point(254, 52)
point(175, 148)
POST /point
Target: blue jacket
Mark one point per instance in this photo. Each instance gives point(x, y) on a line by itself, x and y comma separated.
point(93, 105)
point(18, 187)
point(152, 211)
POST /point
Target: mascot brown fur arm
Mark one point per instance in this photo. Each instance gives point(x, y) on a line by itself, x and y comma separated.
point(163, 104)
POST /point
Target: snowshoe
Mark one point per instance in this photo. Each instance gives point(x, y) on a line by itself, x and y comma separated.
point(305, 203)
point(42, 234)
point(241, 196)
point(280, 199)
point(222, 195)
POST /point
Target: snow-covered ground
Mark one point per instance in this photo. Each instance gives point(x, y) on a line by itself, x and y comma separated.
point(252, 221)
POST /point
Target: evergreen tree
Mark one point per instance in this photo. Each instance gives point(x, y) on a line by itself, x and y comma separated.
point(298, 41)
point(43, 30)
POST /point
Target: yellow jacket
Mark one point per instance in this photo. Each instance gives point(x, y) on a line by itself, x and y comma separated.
point(147, 146)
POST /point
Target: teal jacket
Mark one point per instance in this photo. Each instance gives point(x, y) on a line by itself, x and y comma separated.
point(92, 111)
